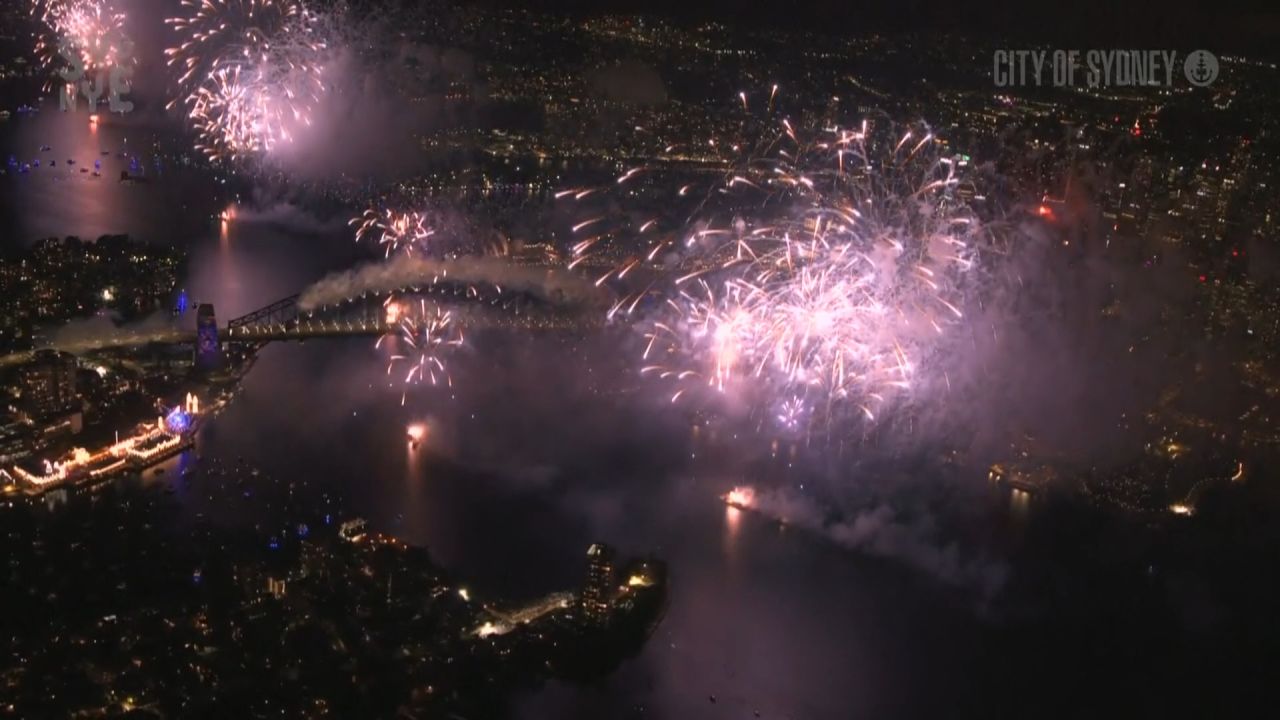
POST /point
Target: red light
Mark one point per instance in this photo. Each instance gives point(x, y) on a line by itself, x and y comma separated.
point(1203, 278)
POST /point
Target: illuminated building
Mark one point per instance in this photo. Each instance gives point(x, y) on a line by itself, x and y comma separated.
point(596, 600)
point(150, 443)
point(16, 440)
point(48, 384)
point(276, 588)
point(352, 530)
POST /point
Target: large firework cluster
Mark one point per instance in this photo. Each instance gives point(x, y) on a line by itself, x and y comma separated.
point(396, 230)
point(420, 337)
point(815, 280)
point(419, 334)
point(251, 73)
point(91, 31)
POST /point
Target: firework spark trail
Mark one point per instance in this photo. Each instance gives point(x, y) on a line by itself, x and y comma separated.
point(92, 30)
point(419, 334)
point(424, 336)
point(818, 276)
point(835, 300)
point(424, 339)
point(396, 230)
point(251, 73)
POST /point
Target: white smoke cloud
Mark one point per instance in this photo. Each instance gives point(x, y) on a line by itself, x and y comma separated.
point(109, 330)
point(883, 531)
point(556, 286)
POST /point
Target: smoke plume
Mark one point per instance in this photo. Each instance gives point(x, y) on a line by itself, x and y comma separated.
point(885, 531)
point(557, 287)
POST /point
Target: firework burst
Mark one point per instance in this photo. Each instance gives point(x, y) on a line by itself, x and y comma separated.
point(423, 336)
point(817, 277)
point(251, 73)
point(422, 333)
point(396, 231)
point(90, 31)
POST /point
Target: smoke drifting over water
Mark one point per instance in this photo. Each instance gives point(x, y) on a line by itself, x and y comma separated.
point(881, 530)
point(557, 287)
point(289, 216)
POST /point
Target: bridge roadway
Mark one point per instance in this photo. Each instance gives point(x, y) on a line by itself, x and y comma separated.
point(469, 317)
point(303, 329)
point(368, 315)
point(363, 316)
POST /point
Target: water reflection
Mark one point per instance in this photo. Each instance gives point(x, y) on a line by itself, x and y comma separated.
point(732, 526)
point(1019, 505)
point(78, 188)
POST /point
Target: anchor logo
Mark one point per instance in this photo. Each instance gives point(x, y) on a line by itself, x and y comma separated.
point(1201, 68)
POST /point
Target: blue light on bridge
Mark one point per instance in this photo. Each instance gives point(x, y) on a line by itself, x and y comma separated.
point(182, 302)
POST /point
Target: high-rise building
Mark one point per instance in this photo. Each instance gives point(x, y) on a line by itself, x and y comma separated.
point(596, 600)
point(48, 384)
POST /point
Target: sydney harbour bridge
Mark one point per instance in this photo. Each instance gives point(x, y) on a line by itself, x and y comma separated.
point(296, 318)
point(475, 305)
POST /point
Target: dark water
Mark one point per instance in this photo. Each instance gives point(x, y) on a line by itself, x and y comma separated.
point(763, 618)
point(171, 201)
point(541, 446)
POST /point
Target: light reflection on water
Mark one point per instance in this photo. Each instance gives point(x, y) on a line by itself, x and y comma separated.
point(732, 526)
point(169, 203)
